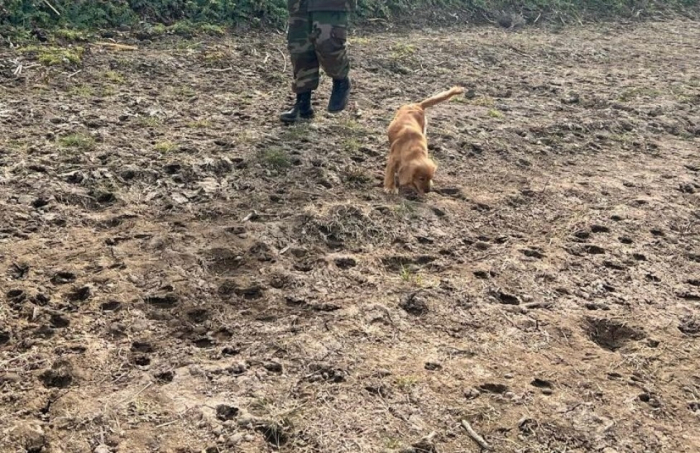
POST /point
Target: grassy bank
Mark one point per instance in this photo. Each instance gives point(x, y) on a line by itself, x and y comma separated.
point(210, 15)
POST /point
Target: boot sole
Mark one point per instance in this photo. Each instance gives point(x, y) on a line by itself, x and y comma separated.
point(297, 119)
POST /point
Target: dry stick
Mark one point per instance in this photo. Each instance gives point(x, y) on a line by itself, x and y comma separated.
point(51, 6)
point(132, 398)
point(116, 45)
point(477, 438)
point(284, 58)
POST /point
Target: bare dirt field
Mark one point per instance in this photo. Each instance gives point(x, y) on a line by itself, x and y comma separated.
point(182, 273)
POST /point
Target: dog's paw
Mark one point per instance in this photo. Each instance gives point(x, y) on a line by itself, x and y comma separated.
point(391, 190)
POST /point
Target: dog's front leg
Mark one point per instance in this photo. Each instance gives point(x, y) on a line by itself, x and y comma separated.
point(390, 174)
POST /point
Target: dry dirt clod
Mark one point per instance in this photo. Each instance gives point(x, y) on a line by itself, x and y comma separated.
point(414, 304)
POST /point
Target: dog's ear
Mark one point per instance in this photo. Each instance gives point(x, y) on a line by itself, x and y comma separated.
point(406, 173)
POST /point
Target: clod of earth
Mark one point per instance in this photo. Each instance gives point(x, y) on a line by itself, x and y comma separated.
point(56, 378)
point(80, 294)
point(226, 412)
point(164, 376)
point(59, 321)
point(204, 342)
point(432, 366)
point(162, 301)
point(198, 315)
point(142, 346)
point(4, 337)
point(18, 271)
point(690, 326)
point(111, 305)
point(414, 304)
point(274, 367)
point(326, 372)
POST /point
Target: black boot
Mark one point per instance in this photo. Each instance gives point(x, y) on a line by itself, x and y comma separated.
point(302, 109)
point(340, 95)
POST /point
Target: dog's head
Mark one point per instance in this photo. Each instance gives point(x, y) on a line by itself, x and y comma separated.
point(418, 174)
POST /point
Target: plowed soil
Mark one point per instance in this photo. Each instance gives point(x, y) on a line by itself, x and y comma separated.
point(182, 273)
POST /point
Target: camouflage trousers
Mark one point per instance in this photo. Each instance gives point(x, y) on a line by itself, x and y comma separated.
point(316, 39)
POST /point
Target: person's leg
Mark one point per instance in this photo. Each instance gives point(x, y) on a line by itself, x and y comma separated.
point(305, 65)
point(329, 36)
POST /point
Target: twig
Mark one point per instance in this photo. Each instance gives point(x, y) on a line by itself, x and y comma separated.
point(163, 425)
point(477, 438)
point(540, 304)
point(132, 398)
point(51, 6)
point(116, 45)
point(230, 68)
point(75, 73)
point(284, 58)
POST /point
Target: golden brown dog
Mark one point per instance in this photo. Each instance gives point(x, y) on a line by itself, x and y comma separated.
point(408, 157)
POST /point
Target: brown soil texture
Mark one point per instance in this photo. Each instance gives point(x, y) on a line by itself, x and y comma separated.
point(182, 273)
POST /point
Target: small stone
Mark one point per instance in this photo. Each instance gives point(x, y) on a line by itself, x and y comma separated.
point(274, 367)
point(235, 439)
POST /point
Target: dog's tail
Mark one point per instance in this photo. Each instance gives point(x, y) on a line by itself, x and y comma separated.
point(441, 97)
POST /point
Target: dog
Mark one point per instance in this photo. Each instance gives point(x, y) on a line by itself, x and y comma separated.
point(408, 155)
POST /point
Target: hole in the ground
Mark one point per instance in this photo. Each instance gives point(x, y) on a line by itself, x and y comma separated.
point(162, 301)
point(198, 315)
point(204, 342)
point(56, 378)
point(63, 277)
point(111, 305)
point(59, 321)
point(142, 360)
point(274, 434)
point(541, 384)
point(493, 388)
point(142, 347)
point(611, 334)
point(507, 299)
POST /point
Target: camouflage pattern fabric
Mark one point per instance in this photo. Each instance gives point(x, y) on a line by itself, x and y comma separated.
point(316, 39)
point(332, 5)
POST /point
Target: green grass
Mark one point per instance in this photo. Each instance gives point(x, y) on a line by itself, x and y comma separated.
point(68, 34)
point(165, 147)
point(199, 124)
point(149, 121)
point(82, 91)
point(54, 56)
point(78, 141)
point(213, 16)
point(114, 77)
point(275, 158)
point(351, 145)
point(493, 113)
point(632, 94)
